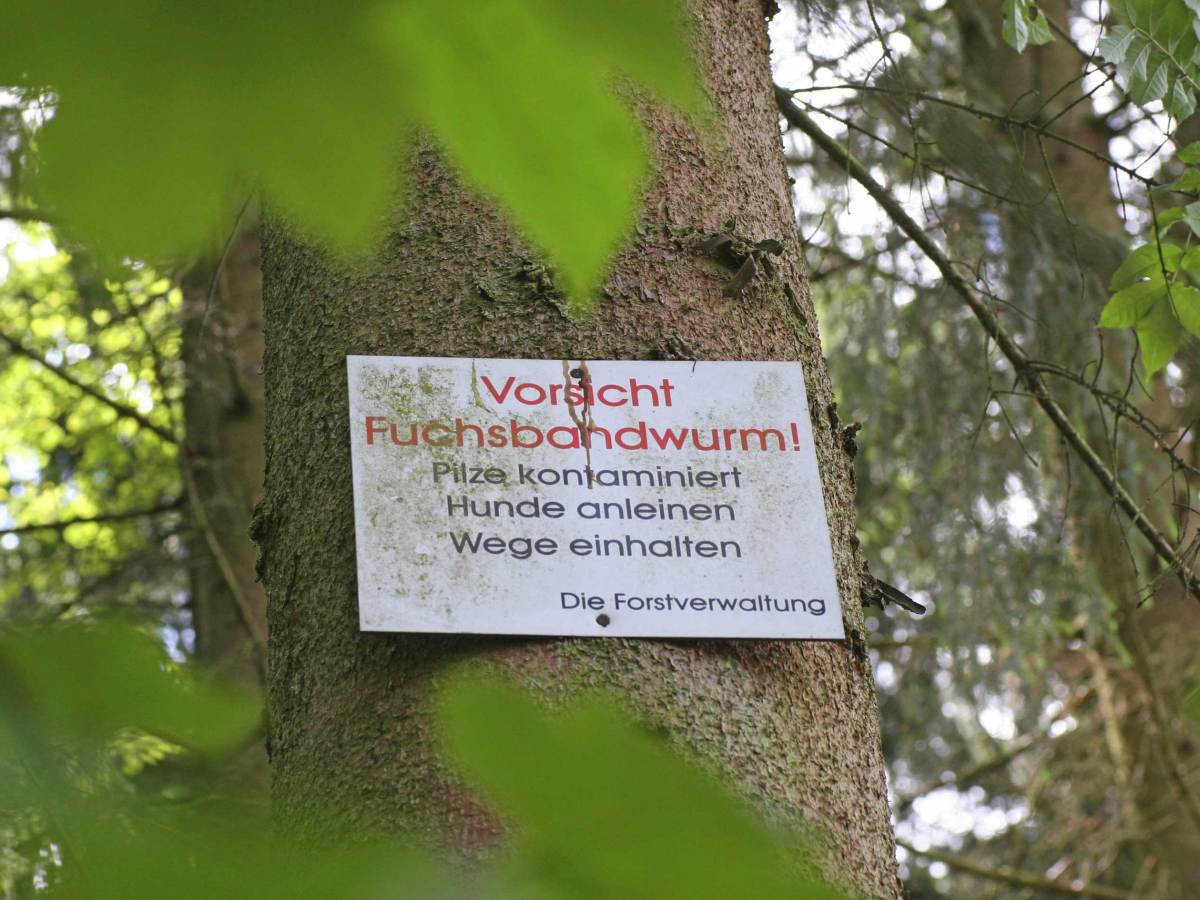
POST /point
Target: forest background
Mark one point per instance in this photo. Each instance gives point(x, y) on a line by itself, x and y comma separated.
point(970, 178)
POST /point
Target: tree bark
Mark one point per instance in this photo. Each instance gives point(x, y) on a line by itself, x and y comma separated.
point(224, 414)
point(222, 466)
point(792, 726)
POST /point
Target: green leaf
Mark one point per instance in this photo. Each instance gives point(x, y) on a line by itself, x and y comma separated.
point(1186, 301)
point(221, 851)
point(1191, 701)
point(86, 682)
point(1189, 181)
point(167, 116)
point(1152, 88)
point(1181, 102)
point(1146, 261)
point(1159, 334)
point(1039, 27)
point(1191, 153)
point(1016, 29)
point(562, 153)
point(1190, 261)
point(1024, 24)
point(1168, 217)
point(1173, 25)
point(1191, 215)
point(1137, 67)
point(1114, 45)
point(1127, 306)
point(605, 810)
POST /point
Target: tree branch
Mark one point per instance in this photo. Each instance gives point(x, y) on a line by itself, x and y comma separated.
point(1026, 372)
point(258, 637)
point(999, 118)
point(60, 524)
point(994, 763)
point(1019, 877)
point(121, 409)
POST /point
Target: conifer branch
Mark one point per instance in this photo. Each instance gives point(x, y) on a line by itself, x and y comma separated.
point(1024, 368)
point(1008, 121)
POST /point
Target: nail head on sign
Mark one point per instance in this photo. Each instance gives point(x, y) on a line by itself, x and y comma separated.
point(602, 620)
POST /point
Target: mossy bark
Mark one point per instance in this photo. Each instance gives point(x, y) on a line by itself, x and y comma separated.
point(792, 726)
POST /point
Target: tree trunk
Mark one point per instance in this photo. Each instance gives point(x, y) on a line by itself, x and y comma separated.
point(222, 465)
point(792, 726)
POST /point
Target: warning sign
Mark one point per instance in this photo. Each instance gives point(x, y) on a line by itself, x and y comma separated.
point(652, 499)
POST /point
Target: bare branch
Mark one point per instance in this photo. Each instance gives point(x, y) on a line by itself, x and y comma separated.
point(999, 118)
point(1019, 877)
point(993, 764)
point(122, 515)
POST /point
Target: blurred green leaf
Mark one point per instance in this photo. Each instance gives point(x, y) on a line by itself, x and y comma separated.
point(603, 810)
point(562, 153)
point(85, 683)
point(124, 852)
point(597, 807)
point(1168, 217)
point(1190, 154)
point(166, 116)
point(1188, 181)
point(1024, 24)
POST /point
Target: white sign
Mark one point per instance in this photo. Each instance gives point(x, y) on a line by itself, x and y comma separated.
point(638, 499)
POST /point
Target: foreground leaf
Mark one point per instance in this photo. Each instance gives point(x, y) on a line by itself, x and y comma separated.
point(123, 850)
point(602, 810)
point(84, 683)
point(166, 116)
